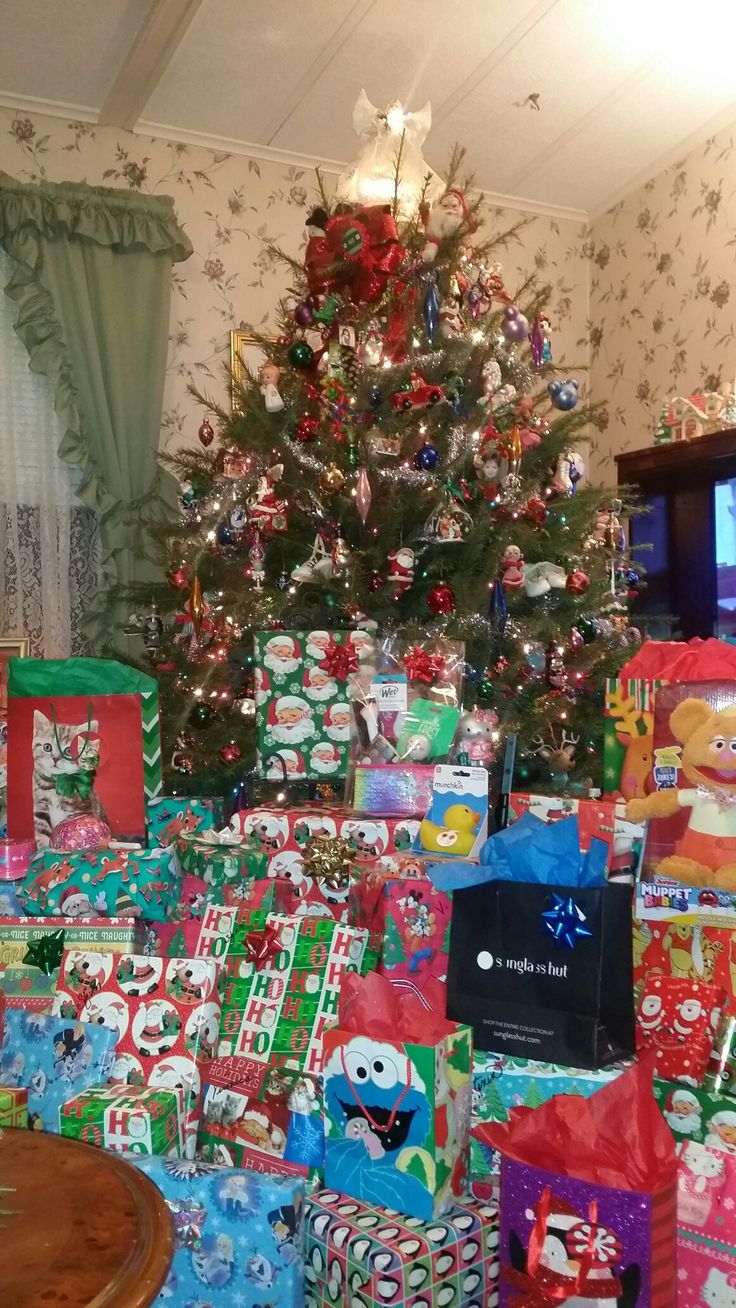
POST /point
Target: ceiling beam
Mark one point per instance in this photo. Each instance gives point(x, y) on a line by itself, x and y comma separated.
point(147, 60)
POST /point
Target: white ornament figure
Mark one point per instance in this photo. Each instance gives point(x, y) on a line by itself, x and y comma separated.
point(541, 578)
point(371, 345)
point(382, 134)
point(570, 468)
point(318, 567)
point(401, 569)
point(446, 216)
point(268, 377)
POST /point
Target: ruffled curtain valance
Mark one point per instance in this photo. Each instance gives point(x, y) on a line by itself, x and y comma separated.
point(92, 286)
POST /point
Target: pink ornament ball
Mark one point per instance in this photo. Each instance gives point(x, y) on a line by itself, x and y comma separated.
point(82, 832)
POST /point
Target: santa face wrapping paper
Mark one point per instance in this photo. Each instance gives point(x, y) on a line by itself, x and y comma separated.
point(141, 883)
point(706, 1239)
point(173, 816)
point(276, 1012)
point(25, 983)
point(370, 1256)
point(677, 1023)
point(127, 1118)
point(238, 1237)
point(302, 709)
point(165, 1014)
point(703, 1116)
point(53, 1059)
point(396, 1120)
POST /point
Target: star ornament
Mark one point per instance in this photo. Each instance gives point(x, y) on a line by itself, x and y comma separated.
point(565, 921)
point(45, 953)
point(328, 859)
point(262, 946)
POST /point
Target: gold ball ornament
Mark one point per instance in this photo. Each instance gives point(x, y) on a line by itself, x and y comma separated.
point(328, 859)
point(332, 480)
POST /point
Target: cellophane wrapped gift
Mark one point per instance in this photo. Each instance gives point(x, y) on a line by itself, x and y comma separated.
point(31, 949)
point(397, 1100)
point(53, 1059)
point(165, 1014)
point(408, 918)
point(283, 978)
point(219, 858)
point(581, 1216)
point(374, 1256)
point(677, 1022)
point(13, 1106)
point(706, 1239)
point(136, 1118)
point(238, 1237)
point(114, 882)
point(268, 1119)
point(171, 816)
point(703, 1116)
point(600, 819)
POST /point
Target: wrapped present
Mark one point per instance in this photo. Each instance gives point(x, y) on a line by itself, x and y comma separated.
point(706, 1244)
point(302, 709)
point(117, 882)
point(238, 1237)
point(207, 936)
point(53, 1059)
point(134, 1118)
point(698, 944)
point(171, 816)
point(410, 919)
point(599, 819)
point(268, 1119)
point(703, 1115)
point(677, 1021)
point(581, 1217)
point(283, 980)
point(165, 1014)
point(397, 1111)
point(397, 1260)
point(219, 858)
point(13, 1106)
point(31, 950)
point(83, 736)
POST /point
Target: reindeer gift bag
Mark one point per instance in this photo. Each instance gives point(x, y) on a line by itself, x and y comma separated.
point(83, 738)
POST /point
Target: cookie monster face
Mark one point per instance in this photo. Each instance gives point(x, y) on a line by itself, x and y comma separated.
point(376, 1095)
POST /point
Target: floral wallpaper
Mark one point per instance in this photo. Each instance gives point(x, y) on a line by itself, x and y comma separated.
point(232, 208)
point(662, 295)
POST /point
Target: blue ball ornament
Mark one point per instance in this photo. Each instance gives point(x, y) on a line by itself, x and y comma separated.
point(375, 397)
point(564, 395)
point(427, 457)
point(224, 534)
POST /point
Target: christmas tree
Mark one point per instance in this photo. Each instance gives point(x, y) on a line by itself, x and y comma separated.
point(406, 459)
point(493, 1108)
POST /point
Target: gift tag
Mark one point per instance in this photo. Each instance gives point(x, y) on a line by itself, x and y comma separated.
point(427, 732)
point(456, 823)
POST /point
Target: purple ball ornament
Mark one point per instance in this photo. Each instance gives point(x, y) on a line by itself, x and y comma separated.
point(515, 326)
point(304, 314)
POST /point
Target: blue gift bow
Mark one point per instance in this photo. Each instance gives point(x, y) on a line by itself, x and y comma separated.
point(564, 920)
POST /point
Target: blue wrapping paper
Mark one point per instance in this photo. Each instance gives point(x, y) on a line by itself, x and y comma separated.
point(532, 851)
point(55, 1059)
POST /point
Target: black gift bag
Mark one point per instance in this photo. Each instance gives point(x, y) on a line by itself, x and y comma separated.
point(544, 972)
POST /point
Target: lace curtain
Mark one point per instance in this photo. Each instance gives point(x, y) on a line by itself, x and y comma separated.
point(49, 543)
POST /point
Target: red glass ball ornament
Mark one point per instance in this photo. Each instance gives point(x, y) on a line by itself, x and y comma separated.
point(307, 429)
point(206, 433)
point(230, 753)
point(178, 578)
point(441, 598)
point(577, 582)
point(500, 666)
point(535, 510)
point(376, 582)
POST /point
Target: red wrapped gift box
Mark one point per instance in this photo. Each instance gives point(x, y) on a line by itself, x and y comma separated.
point(678, 1021)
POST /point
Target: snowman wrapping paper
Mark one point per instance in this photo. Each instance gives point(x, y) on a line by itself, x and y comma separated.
point(165, 1012)
point(384, 1258)
point(53, 1059)
point(238, 1237)
point(302, 709)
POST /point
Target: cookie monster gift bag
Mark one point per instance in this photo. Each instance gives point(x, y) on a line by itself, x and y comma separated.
point(397, 1111)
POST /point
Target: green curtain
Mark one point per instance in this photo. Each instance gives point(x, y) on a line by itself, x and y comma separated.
point(93, 287)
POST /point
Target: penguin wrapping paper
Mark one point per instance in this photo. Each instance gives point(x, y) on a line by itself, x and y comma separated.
point(384, 1258)
point(219, 858)
point(588, 1199)
point(13, 1106)
point(678, 1022)
point(700, 1115)
point(135, 1118)
point(706, 1238)
point(171, 816)
point(397, 1111)
point(302, 709)
point(409, 919)
point(165, 1014)
point(238, 1237)
point(53, 1059)
point(281, 989)
point(114, 882)
point(25, 983)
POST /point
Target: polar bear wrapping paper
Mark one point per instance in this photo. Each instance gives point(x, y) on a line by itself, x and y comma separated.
point(165, 1012)
point(706, 1241)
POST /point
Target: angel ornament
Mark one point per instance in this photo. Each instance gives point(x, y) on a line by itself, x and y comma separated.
point(387, 135)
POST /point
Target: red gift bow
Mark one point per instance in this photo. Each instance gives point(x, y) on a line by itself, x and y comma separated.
point(262, 946)
point(339, 660)
point(422, 666)
point(359, 251)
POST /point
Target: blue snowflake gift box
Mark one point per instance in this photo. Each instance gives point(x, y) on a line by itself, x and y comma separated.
point(238, 1237)
point(54, 1059)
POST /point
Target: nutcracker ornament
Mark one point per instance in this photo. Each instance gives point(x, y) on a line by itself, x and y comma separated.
point(400, 570)
point(268, 380)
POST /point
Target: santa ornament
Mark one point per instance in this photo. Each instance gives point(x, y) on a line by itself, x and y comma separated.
point(400, 570)
point(265, 510)
point(512, 568)
point(446, 216)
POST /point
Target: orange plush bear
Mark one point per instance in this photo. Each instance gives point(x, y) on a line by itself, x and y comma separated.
point(706, 854)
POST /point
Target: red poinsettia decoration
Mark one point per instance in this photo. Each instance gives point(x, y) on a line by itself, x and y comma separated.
point(262, 946)
point(339, 660)
point(422, 666)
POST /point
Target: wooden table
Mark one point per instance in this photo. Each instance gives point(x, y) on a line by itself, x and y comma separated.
point(85, 1229)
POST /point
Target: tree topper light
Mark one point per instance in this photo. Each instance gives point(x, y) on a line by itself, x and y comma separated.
point(391, 142)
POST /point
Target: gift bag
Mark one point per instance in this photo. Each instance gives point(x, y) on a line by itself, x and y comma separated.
point(544, 971)
point(677, 1022)
point(83, 737)
point(397, 1100)
point(706, 1239)
point(409, 919)
point(584, 1220)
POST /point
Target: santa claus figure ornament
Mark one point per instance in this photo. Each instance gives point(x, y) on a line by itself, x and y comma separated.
point(443, 220)
point(400, 570)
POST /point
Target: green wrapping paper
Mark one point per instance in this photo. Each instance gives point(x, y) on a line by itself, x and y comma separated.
point(219, 860)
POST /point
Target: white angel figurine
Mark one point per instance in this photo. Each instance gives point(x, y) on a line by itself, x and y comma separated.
point(383, 135)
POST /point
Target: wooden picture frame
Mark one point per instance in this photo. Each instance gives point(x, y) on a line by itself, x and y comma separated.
point(246, 354)
point(11, 647)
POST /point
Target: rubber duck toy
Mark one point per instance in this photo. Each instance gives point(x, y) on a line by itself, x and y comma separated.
point(457, 836)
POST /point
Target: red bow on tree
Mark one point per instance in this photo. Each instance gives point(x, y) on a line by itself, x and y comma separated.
point(358, 253)
point(262, 946)
point(339, 660)
point(422, 666)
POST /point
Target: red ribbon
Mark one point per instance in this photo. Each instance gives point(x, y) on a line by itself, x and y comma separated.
point(422, 666)
point(358, 253)
point(262, 946)
point(587, 1254)
point(339, 660)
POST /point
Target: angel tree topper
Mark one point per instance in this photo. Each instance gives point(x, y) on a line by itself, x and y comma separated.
point(388, 137)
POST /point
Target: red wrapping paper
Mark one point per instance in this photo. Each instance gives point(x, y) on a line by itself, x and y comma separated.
point(370, 1006)
point(672, 660)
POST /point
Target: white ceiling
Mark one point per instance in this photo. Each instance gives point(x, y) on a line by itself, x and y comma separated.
point(624, 86)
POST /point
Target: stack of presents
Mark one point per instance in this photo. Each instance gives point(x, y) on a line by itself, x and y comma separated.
point(373, 1054)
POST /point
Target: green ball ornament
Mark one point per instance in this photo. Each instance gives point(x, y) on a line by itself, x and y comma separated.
point(524, 773)
point(486, 689)
point(301, 355)
point(201, 716)
point(587, 629)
